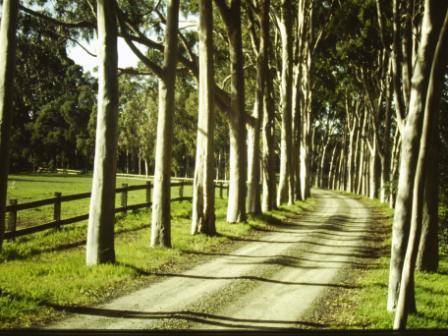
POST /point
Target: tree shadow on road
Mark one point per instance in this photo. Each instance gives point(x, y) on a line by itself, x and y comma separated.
point(191, 316)
point(242, 277)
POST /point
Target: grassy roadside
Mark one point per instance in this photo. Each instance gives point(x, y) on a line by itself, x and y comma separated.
point(364, 307)
point(40, 275)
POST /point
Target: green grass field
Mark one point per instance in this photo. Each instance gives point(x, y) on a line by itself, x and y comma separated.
point(27, 188)
point(43, 274)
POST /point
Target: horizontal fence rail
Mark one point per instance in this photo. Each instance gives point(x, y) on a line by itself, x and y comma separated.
point(57, 201)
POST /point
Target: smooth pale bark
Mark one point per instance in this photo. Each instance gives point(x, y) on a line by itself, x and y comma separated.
point(7, 65)
point(320, 175)
point(386, 153)
point(100, 231)
point(397, 60)
point(356, 157)
point(146, 167)
point(161, 207)
point(374, 168)
point(339, 178)
point(286, 181)
point(361, 149)
point(236, 206)
point(254, 155)
point(253, 199)
point(296, 120)
point(351, 159)
point(428, 250)
point(305, 41)
point(432, 18)
point(269, 197)
point(432, 101)
point(332, 171)
point(394, 167)
point(203, 214)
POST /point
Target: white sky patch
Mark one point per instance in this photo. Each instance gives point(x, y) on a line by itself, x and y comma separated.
point(126, 58)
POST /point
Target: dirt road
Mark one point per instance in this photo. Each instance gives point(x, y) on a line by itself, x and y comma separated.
point(268, 283)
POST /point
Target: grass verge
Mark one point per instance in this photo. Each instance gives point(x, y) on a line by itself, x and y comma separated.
point(364, 307)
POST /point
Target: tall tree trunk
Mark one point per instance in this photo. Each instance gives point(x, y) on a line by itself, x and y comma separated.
point(434, 89)
point(432, 20)
point(296, 142)
point(374, 168)
point(100, 232)
point(203, 218)
point(320, 175)
point(286, 182)
point(386, 153)
point(351, 159)
point(161, 207)
point(268, 160)
point(254, 155)
point(332, 170)
point(236, 206)
point(394, 167)
point(146, 167)
point(428, 251)
point(7, 66)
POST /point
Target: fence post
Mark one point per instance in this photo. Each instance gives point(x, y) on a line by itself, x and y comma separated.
point(124, 197)
point(57, 209)
point(181, 189)
point(221, 188)
point(12, 219)
point(148, 193)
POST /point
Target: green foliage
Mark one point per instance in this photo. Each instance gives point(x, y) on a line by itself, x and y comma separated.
point(52, 104)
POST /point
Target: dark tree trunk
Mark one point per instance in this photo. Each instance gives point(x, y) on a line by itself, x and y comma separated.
point(7, 66)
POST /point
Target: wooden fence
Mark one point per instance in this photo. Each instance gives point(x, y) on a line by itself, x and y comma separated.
point(14, 207)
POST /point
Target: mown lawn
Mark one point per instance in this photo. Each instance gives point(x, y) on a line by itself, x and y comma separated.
point(365, 306)
point(43, 274)
point(33, 187)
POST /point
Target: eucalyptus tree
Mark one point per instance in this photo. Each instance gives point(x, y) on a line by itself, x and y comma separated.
point(231, 16)
point(203, 216)
point(161, 208)
point(434, 12)
point(8, 29)
point(100, 231)
point(286, 182)
point(258, 15)
point(430, 29)
point(269, 200)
